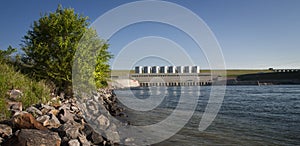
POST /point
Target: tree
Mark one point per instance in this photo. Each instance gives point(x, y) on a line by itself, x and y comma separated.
point(5, 54)
point(51, 44)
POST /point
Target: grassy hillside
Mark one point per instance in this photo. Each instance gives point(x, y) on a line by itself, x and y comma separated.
point(235, 73)
point(32, 92)
point(291, 77)
point(121, 72)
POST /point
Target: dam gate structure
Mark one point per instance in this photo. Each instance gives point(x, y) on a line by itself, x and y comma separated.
point(171, 76)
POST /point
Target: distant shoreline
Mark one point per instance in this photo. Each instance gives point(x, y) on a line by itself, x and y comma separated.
point(242, 77)
point(271, 78)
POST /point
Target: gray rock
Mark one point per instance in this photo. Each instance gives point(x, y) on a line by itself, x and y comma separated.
point(112, 134)
point(65, 104)
point(44, 120)
point(129, 141)
point(14, 94)
point(65, 115)
point(91, 135)
point(64, 141)
point(1, 140)
point(54, 118)
point(5, 130)
point(34, 111)
point(48, 107)
point(74, 142)
point(54, 99)
point(15, 106)
point(112, 127)
point(74, 108)
point(83, 140)
point(96, 138)
point(107, 97)
point(33, 137)
point(103, 122)
point(54, 112)
point(92, 107)
point(70, 129)
point(53, 122)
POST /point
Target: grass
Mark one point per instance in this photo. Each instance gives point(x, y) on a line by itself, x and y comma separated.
point(237, 72)
point(33, 92)
point(121, 72)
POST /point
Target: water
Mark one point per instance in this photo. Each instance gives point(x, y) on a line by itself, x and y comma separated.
point(250, 115)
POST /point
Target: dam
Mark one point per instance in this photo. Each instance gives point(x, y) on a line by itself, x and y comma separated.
point(171, 76)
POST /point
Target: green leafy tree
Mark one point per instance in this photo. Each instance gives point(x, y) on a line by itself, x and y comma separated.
point(89, 71)
point(51, 44)
point(5, 54)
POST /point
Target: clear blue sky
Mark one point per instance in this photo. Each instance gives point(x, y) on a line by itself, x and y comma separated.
point(252, 33)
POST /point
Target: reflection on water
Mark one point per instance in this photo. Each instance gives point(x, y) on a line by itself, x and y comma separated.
point(250, 115)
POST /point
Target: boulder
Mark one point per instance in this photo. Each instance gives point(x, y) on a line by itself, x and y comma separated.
point(103, 122)
point(14, 94)
point(96, 138)
point(67, 123)
point(65, 105)
point(25, 120)
point(44, 120)
point(53, 122)
point(108, 99)
point(74, 109)
point(129, 141)
point(79, 118)
point(64, 141)
point(5, 130)
point(65, 115)
point(1, 140)
point(49, 121)
point(33, 137)
point(112, 134)
point(91, 135)
point(56, 105)
point(83, 140)
point(46, 108)
point(74, 142)
point(15, 106)
point(34, 111)
point(69, 130)
point(54, 112)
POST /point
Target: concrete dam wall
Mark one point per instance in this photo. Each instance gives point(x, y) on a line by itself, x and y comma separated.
point(171, 79)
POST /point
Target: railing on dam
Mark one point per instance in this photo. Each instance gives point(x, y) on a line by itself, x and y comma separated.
point(147, 84)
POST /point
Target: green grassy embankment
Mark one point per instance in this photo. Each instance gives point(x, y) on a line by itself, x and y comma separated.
point(232, 73)
point(32, 91)
point(121, 72)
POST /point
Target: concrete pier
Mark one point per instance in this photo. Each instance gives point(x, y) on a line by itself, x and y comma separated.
point(171, 76)
point(174, 79)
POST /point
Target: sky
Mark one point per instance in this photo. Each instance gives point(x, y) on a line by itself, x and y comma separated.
point(252, 34)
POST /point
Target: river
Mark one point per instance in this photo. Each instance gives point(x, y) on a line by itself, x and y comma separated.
point(249, 115)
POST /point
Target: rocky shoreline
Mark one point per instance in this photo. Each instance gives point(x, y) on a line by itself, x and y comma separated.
point(63, 123)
